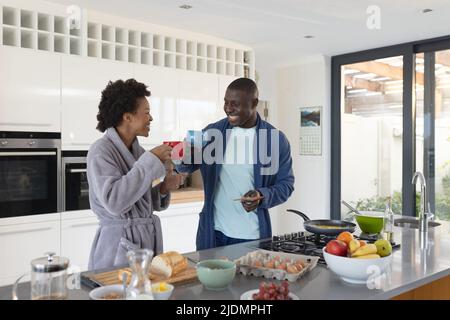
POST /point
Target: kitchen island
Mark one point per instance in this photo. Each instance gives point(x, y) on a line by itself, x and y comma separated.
point(418, 263)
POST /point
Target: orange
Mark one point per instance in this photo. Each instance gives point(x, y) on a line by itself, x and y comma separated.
point(362, 243)
point(345, 237)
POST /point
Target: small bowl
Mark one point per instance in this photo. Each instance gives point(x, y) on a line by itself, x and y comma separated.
point(370, 221)
point(162, 295)
point(355, 270)
point(216, 274)
point(111, 292)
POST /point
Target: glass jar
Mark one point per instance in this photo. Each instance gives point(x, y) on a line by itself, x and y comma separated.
point(140, 287)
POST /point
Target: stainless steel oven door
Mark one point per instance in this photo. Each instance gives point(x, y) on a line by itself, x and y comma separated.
point(29, 179)
point(75, 184)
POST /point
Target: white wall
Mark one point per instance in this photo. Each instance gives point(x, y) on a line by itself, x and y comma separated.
point(266, 74)
point(305, 84)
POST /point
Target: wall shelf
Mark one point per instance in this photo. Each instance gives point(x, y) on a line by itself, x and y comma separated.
point(60, 44)
point(45, 41)
point(121, 35)
point(27, 19)
point(180, 46)
point(28, 39)
point(146, 40)
point(201, 49)
point(146, 57)
point(169, 60)
point(169, 44)
point(10, 16)
point(21, 27)
point(201, 65)
point(134, 38)
point(191, 48)
point(107, 33)
point(60, 25)
point(74, 32)
point(230, 69)
point(107, 51)
point(158, 42)
point(191, 63)
point(134, 55)
point(11, 36)
point(93, 49)
point(158, 58)
point(93, 31)
point(121, 53)
point(181, 61)
point(75, 46)
point(45, 22)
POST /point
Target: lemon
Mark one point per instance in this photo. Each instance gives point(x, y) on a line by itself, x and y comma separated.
point(162, 287)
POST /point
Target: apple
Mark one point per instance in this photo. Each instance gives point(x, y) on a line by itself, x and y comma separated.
point(337, 248)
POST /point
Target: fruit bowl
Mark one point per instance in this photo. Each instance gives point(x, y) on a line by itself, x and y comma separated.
point(355, 270)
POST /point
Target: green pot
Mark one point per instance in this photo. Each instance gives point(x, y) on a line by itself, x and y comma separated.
point(370, 221)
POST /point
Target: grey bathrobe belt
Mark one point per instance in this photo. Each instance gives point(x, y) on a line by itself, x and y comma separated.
point(127, 223)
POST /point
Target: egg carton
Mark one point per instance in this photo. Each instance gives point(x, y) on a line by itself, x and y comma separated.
point(246, 264)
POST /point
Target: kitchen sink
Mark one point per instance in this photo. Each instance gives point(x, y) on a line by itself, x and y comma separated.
point(413, 223)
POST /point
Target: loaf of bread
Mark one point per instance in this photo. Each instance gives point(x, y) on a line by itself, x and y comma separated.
point(168, 264)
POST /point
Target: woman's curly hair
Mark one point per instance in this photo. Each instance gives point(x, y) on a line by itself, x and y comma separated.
point(117, 98)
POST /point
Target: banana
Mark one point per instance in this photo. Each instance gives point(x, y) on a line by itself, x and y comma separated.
point(365, 250)
point(369, 256)
point(353, 245)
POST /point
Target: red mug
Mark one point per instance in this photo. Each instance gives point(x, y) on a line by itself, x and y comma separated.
point(177, 149)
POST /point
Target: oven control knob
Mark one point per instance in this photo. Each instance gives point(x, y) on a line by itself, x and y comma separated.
point(4, 142)
point(275, 238)
point(31, 142)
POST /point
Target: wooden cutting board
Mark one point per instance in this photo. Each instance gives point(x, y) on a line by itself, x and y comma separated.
point(115, 276)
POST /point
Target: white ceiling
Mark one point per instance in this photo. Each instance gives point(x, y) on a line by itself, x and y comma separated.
point(276, 28)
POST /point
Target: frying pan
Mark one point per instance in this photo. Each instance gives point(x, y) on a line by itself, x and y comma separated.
point(326, 227)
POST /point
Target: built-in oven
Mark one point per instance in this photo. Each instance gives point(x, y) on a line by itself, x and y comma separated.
point(75, 184)
point(30, 173)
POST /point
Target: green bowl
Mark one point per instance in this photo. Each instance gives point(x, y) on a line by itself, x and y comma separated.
point(370, 221)
point(216, 274)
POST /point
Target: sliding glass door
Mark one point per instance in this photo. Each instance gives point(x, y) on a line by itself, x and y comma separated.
point(371, 133)
point(391, 117)
point(433, 128)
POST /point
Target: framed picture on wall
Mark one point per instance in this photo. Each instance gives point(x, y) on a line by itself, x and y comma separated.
point(311, 131)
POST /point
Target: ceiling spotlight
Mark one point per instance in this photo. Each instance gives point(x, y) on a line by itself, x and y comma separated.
point(308, 37)
point(426, 10)
point(185, 6)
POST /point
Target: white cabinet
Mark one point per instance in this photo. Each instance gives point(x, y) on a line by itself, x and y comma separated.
point(29, 90)
point(197, 102)
point(163, 85)
point(78, 230)
point(82, 81)
point(179, 226)
point(224, 82)
point(21, 243)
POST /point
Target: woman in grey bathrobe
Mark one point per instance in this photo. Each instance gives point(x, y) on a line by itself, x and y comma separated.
point(120, 175)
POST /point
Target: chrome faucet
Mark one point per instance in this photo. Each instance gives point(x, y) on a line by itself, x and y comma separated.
point(424, 213)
